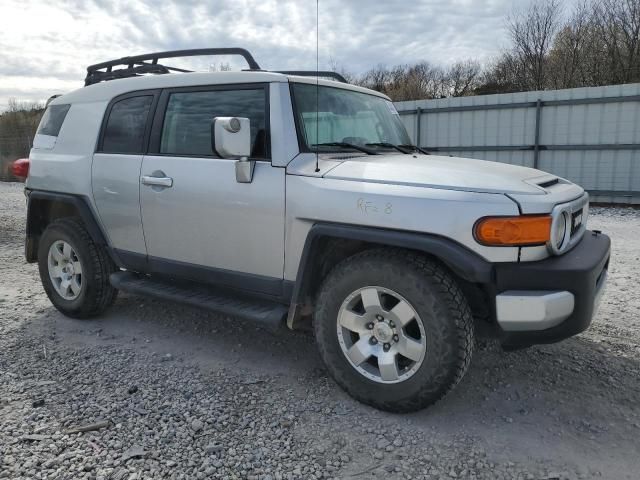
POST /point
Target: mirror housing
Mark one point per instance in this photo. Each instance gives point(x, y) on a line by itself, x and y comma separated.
point(231, 138)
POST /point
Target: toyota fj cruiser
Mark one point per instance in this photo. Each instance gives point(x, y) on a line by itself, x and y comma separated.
point(284, 197)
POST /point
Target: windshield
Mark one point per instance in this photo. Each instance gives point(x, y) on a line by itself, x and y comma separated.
point(345, 116)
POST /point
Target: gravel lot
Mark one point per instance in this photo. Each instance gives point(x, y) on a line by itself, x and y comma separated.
point(187, 394)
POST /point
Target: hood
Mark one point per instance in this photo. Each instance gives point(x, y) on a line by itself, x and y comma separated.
point(448, 173)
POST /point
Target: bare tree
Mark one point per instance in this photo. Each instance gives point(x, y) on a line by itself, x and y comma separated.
point(419, 81)
point(504, 75)
point(377, 78)
point(618, 23)
point(532, 33)
point(599, 44)
point(407, 82)
point(567, 57)
point(463, 77)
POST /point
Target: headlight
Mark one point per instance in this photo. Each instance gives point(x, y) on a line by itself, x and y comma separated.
point(559, 230)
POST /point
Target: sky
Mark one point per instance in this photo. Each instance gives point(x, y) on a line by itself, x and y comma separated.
point(45, 45)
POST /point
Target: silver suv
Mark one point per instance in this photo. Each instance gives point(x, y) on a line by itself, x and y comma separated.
point(284, 197)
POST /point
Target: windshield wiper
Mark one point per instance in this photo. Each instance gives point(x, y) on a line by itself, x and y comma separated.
point(389, 145)
point(415, 148)
point(360, 148)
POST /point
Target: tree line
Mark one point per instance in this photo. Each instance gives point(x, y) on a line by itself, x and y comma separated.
point(596, 43)
point(18, 124)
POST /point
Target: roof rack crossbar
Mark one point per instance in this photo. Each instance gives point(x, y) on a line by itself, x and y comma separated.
point(125, 73)
point(133, 64)
point(313, 73)
point(173, 69)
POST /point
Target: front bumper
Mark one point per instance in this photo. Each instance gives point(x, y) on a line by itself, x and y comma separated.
point(553, 299)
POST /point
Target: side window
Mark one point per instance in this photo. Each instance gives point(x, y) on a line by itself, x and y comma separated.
point(124, 131)
point(52, 120)
point(187, 124)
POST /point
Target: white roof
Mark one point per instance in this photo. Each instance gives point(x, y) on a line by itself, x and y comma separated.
point(105, 91)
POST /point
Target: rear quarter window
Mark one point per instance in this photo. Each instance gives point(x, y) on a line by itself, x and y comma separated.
point(52, 120)
point(124, 131)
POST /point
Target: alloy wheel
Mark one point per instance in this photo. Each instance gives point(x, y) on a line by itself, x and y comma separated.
point(381, 334)
point(65, 270)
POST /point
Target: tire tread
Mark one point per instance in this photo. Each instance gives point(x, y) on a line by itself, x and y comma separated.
point(455, 302)
point(103, 294)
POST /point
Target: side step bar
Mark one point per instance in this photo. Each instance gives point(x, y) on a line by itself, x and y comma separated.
point(270, 315)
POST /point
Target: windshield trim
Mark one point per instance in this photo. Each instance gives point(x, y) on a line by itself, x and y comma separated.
point(302, 144)
point(340, 86)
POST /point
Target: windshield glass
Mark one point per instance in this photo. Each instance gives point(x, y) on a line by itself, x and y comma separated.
point(345, 116)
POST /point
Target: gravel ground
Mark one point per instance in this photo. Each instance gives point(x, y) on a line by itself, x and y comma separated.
point(182, 393)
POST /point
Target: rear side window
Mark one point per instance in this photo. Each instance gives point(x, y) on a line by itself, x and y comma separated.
point(52, 120)
point(125, 128)
point(187, 123)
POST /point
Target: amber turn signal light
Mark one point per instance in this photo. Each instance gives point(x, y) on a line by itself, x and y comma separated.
point(513, 231)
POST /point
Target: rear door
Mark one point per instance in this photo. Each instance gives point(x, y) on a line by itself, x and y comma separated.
point(199, 222)
point(115, 172)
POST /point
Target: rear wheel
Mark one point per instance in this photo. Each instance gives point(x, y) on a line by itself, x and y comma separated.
point(394, 329)
point(74, 270)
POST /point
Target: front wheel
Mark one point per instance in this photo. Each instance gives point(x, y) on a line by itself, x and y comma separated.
point(394, 329)
point(74, 270)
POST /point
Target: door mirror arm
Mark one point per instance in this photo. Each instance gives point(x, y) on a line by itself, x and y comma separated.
point(244, 170)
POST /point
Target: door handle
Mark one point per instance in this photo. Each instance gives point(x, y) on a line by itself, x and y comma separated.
point(157, 181)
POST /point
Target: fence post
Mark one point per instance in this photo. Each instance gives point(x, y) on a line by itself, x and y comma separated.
point(536, 146)
point(418, 124)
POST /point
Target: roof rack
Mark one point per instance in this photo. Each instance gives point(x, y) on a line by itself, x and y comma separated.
point(312, 73)
point(148, 63)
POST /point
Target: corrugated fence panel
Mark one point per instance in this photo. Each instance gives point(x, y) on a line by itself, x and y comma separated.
point(588, 135)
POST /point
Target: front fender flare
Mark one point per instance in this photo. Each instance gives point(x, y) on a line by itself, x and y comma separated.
point(465, 263)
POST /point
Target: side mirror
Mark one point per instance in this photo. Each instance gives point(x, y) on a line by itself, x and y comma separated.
point(231, 138)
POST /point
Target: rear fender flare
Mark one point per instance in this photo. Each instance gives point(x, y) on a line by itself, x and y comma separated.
point(39, 207)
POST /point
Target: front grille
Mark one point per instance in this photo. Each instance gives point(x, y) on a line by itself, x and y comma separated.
point(576, 213)
point(576, 221)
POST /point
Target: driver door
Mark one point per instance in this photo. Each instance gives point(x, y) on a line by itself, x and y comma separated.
point(198, 221)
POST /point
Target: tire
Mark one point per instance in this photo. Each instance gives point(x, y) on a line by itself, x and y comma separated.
point(95, 293)
point(446, 338)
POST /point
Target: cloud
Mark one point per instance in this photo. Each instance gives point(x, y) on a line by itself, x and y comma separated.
point(45, 47)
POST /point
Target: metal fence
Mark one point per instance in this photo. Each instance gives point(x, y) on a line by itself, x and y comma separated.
point(590, 136)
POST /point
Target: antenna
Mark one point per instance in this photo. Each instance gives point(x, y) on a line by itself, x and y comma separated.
point(317, 83)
